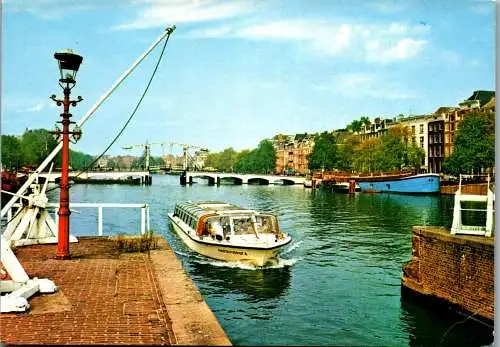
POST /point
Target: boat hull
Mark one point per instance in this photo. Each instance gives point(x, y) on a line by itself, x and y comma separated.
point(416, 184)
point(224, 251)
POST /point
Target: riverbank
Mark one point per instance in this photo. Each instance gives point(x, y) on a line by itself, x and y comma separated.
point(107, 297)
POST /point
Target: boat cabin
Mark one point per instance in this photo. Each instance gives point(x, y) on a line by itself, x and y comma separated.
point(223, 221)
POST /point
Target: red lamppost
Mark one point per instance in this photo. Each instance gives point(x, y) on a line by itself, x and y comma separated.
point(69, 63)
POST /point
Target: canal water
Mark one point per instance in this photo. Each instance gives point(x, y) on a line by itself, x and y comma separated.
point(338, 283)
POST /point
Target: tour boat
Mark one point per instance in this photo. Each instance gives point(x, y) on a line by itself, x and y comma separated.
point(228, 232)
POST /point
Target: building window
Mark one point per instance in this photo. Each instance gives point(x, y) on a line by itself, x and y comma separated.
point(421, 128)
point(413, 129)
point(422, 141)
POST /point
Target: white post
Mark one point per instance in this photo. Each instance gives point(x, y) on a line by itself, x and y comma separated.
point(143, 217)
point(147, 218)
point(56, 217)
point(489, 211)
point(100, 220)
point(457, 213)
point(11, 264)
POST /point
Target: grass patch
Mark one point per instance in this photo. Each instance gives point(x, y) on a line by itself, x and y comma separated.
point(131, 244)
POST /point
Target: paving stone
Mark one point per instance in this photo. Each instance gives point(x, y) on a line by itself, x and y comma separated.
point(107, 297)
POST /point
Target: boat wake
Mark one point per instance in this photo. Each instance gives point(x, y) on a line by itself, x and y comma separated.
point(292, 247)
point(276, 264)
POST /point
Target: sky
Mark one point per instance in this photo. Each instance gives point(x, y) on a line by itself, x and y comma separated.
point(237, 72)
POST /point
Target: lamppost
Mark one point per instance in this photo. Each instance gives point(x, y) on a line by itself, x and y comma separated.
point(69, 63)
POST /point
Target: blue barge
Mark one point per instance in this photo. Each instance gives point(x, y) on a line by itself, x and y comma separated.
point(413, 184)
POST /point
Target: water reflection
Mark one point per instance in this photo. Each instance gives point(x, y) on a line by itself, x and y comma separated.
point(255, 284)
point(438, 327)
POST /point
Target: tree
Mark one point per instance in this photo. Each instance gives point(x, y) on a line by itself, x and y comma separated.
point(347, 153)
point(365, 158)
point(393, 151)
point(36, 146)
point(259, 160)
point(357, 124)
point(265, 157)
point(415, 156)
point(324, 153)
point(474, 145)
point(79, 160)
point(11, 152)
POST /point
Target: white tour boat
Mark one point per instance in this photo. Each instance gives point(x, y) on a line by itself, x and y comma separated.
point(227, 232)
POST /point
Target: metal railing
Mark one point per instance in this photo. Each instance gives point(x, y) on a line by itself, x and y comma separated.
point(144, 224)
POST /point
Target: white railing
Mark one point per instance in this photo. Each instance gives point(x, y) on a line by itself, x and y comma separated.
point(100, 206)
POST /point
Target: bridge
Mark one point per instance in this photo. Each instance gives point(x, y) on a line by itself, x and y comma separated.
point(143, 176)
point(234, 178)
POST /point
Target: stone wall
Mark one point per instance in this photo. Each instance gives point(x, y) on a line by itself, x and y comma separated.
point(458, 269)
point(475, 189)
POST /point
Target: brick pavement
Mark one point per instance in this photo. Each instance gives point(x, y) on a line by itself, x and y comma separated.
point(109, 298)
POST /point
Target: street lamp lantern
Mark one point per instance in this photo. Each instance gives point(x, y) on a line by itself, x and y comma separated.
point(76, 134)
point(69, 63)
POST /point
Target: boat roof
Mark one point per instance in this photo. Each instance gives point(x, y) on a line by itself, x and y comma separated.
point(200, 208)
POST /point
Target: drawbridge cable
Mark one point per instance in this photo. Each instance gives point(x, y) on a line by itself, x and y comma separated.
point(131, 116)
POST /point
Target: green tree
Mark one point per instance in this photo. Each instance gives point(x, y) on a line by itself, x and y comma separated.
point(392, 153)
point(474, 145)
point(79, 160)
point(265, 157)
point(365, 157)
point(36, 146)
point(227, 160)
point(357, 124)
point(244, 161)
point(415, 156)
point(11, 152)
point(324, 153)
point(347, 152)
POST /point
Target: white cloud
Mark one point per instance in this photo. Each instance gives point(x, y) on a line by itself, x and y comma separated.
point(385, 52)
point(163, 13)
point(36, 108)
point(361, 86)
point(379, 43)
point(22, 104)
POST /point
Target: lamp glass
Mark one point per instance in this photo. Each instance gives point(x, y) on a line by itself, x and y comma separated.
point(69, 63)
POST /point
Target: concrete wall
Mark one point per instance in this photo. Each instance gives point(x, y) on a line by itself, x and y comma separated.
point(458, 270)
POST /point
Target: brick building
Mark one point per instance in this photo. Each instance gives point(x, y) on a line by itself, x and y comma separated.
point(292, 153)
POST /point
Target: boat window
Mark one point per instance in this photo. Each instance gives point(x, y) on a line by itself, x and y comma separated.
point(266, 224)
point(243, 225)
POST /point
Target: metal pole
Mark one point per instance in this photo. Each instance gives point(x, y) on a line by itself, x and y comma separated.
point(143, 218)
point(64, 212)
point(56, 150)
point(99, 221)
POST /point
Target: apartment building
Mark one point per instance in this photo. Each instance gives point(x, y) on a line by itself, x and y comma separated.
point(436, 140)
point(418, 127)
point(376, 128)
point(292, 153)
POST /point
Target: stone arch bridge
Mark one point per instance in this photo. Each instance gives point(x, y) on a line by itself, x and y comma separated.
point(234, 178)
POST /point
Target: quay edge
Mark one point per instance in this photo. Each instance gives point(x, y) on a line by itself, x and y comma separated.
point(193, 323)
point(456, 271)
